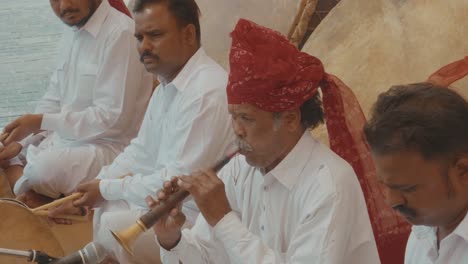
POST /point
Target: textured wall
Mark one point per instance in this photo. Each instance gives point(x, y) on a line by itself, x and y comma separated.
point(29, 32)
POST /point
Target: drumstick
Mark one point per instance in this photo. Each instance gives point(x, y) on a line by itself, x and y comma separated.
point(58, 202)
point(80, 218)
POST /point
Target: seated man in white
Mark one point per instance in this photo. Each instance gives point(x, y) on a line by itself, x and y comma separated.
point(92, 109)
point(418, 134)
point(287, 198)
point(186, 126)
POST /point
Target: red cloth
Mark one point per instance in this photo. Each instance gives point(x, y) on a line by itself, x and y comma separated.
point(269, 72)
point(120, 5)
point(450, 73)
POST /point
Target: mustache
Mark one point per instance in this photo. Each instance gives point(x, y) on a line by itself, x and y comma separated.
point(66, 11)
point(148, 54)
point(243, 145)
point(405, 210)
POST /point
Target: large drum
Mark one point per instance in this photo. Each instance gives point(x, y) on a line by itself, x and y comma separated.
point(20, 229)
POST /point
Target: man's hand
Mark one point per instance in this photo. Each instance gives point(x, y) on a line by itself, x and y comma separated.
point(66, 209)
point(208, 192)
point(168, 228)
point(9, 152)
point(22, 127)
point(92, 197)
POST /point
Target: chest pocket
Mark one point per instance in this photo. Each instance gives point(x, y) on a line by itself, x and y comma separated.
point(86, 84)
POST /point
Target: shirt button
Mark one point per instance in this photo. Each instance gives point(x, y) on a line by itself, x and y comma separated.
point(263, 228)
point(265, 188)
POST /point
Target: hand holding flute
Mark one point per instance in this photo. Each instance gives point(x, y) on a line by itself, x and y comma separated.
point(166, 216)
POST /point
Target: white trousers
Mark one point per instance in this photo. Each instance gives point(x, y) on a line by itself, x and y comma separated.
point(56, 167)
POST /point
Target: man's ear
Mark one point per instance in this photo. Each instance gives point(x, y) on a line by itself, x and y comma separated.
point(461, 168)
point(292, 119)
point(190, 35)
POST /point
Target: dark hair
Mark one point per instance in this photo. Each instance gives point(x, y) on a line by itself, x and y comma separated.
point(186, 12)
point(312, 114)
point(421, 117)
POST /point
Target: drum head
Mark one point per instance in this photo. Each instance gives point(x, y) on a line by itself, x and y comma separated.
point(20, 229)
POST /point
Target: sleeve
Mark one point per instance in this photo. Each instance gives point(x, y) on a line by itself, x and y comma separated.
point(33, 139)
point(135, 159)
point(113, 96)
point(201, 137)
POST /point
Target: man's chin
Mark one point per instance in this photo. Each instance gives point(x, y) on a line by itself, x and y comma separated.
point(151, 68)
point(414, 220)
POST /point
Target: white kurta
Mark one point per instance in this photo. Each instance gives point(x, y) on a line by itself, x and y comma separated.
point(186, 127)
point(422, 246)
point(309, 209)
point(95, 104)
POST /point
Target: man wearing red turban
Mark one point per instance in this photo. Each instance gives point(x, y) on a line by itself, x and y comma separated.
point(287, 198)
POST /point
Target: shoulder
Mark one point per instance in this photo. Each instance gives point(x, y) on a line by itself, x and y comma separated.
point(117, 24)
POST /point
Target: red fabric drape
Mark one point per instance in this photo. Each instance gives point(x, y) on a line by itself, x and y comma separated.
point(450, 73)
point(120, 5)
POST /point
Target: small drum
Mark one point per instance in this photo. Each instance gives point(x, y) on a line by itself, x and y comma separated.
point(20, 229)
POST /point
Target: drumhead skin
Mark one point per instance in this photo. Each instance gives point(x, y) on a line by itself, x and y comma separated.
point(20, 229)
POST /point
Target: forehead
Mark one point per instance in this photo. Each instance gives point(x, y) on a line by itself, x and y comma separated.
point(243, 109)
point(154, 16)
point(405, 167)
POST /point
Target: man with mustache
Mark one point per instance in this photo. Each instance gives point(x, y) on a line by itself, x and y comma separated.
point(286, 198)
point(186, 126)
point(418, 135)
point(92, 109)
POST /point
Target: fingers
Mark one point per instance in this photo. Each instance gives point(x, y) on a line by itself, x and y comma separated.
point(150, 201)
point(3, 136)
point(81, 202)
point(60, 221)
point(8, 128)
point(177, 218)
point(4, 164)
point(12, 137)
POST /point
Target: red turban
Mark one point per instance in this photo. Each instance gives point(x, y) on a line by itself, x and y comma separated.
point(269, 72)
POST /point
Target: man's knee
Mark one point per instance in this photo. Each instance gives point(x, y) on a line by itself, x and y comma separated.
point(43, 169)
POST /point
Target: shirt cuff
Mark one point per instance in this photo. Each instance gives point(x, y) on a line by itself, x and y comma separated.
point(111, 189)
point(173, 255)
point(229, 230)
point(50, 122)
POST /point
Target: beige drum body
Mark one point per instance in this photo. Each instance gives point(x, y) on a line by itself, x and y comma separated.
point(20, 229)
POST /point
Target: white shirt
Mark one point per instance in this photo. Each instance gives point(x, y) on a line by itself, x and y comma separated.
point(186, 127)
point(308, 209)
point(422, 246)
point(100, 90)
